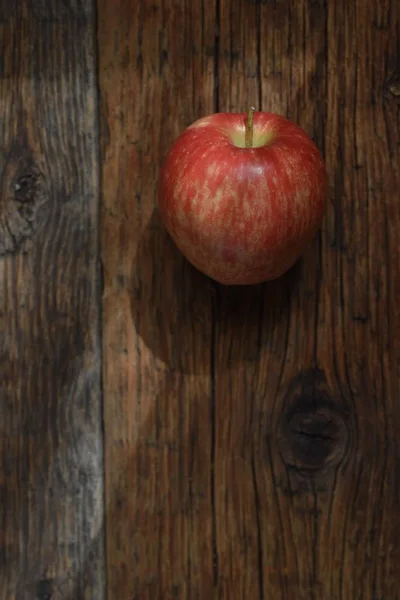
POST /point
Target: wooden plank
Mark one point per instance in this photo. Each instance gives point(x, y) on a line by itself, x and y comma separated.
point(51, 457)
point(156, 76)
point(265, 341)
point(359, 318)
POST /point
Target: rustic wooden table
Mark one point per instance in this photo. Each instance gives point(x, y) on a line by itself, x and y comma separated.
point(162, 436)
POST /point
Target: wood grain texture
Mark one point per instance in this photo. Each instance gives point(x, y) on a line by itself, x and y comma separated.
point(250, 433)
point(311, 447)
point(156, 76)
point(268, 377)
point(51, 458)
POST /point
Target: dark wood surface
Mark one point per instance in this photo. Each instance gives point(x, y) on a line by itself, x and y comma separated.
point(162, 436)
point(51, 434)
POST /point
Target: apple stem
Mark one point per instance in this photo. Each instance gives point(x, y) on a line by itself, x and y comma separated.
point(249, 128)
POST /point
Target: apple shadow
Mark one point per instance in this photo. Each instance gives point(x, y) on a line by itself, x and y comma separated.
point(170, 302)
point(178, 311)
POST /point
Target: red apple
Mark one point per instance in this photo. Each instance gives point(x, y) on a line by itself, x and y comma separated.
point(243, 195)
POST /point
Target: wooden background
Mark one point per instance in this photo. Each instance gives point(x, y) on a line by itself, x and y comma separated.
point(162, 436)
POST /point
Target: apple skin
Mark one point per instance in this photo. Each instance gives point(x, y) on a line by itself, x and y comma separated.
point(243, 215)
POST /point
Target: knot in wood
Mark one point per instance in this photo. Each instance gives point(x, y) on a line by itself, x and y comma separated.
point(312, 429)
point(23, 202)
point(44, 589)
